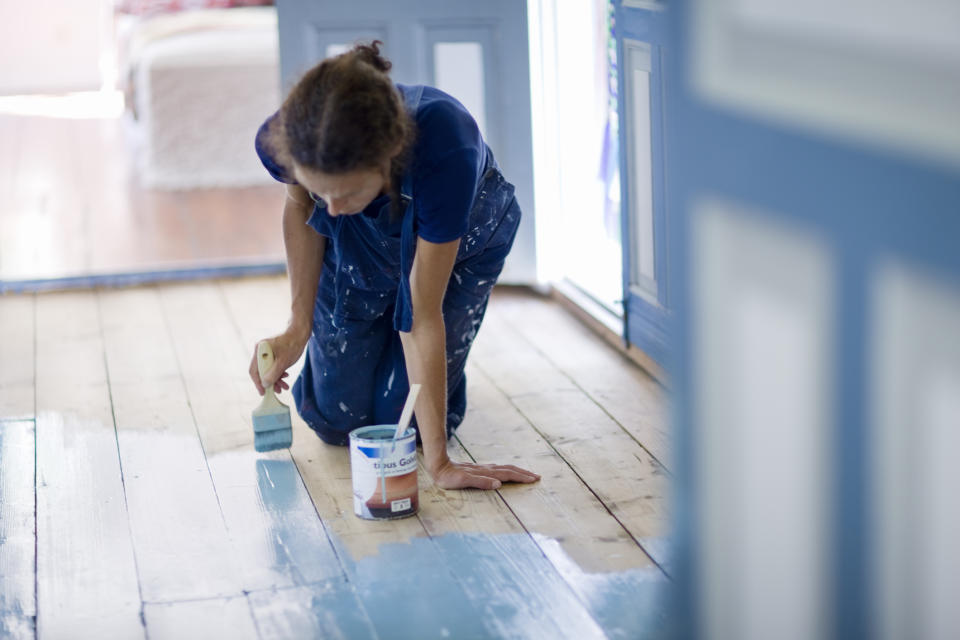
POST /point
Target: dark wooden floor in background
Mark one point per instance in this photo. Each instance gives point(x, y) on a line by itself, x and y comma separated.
point(70, 205)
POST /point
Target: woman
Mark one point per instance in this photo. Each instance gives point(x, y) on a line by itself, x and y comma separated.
point(396, 225)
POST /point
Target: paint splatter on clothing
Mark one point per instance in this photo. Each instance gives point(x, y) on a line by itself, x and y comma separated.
point(354, 373)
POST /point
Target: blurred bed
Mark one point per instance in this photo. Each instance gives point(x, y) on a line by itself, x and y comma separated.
point(199, 78)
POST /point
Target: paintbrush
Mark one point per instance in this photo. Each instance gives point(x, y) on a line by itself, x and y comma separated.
point(271, 420)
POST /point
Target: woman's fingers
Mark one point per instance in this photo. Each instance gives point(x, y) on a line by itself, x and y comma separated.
point(510, 467)
point(284, 356)
point(507, 473)
point(462, 475)
point(255, 375)
point(469, 480)
point(510, 475)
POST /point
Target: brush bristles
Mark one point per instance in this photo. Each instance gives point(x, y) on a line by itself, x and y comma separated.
point(271, 421)
point(272, 431)
point(271, 440)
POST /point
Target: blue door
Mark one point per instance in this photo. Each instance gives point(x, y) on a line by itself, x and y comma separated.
point(814, 239)
point(476, 51)
point(641, 32)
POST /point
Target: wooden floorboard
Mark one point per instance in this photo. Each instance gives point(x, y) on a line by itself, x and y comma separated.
point(479, 530)
point(86, 573)
point(17, 468)
point(278, 539)
point(155, 512)
point(18, 608)
point(16, 353)
point(553, 608)
point(628, 394)
point(212, 618)
point(260, 308)
point(561, 506)
point(330, 609)
point(444, 604)
point(170, 495)
point(631, 484)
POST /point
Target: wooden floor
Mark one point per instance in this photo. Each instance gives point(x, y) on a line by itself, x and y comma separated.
point(133, 504)
point(71, 205)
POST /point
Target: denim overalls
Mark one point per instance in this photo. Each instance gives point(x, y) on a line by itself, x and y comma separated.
point(354, 373)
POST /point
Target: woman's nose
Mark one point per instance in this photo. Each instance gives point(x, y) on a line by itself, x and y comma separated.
point(336, 207)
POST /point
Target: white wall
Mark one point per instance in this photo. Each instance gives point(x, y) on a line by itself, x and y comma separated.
point(50, 46)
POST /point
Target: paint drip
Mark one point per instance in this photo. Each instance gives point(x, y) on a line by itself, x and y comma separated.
point(384, 472)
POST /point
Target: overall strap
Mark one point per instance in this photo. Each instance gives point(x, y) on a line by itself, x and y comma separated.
point(411, 99)
point(403, 312)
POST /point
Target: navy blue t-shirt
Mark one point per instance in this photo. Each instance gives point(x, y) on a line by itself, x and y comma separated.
point(449, 159)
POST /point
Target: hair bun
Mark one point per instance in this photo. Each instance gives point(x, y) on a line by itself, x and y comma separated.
point(370, 53)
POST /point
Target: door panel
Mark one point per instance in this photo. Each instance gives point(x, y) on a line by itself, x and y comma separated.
point(640, 159)
point(641, 37)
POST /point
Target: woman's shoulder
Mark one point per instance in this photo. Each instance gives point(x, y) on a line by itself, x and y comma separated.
point(442, 115)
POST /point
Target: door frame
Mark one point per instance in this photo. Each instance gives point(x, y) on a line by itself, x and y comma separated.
point(642, 27)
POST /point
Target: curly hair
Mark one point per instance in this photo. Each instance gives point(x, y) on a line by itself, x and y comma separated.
point(345, 114)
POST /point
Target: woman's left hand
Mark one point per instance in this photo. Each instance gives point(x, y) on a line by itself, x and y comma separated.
point(463, 475)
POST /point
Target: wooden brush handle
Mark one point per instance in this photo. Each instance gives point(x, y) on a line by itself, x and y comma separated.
point(264, 362)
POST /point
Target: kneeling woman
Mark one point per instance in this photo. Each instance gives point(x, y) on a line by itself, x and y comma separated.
point(396, 226)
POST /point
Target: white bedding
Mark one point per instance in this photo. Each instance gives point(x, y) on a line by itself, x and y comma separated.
point(201, 82)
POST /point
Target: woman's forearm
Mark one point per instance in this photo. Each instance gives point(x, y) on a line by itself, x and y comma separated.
point(424, 350)
point(304, 249)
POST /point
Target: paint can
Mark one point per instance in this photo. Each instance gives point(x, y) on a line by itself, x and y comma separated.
point(384, 472)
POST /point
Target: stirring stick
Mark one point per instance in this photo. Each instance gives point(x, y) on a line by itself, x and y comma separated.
point(407, 412)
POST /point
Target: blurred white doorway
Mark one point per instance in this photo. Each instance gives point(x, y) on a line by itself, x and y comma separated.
point(576, 169)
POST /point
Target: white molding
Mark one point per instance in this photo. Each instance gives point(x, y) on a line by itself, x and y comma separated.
point(914, 413)
point(762, 331)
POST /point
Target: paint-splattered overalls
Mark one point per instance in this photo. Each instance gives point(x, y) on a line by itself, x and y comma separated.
point(354, 373)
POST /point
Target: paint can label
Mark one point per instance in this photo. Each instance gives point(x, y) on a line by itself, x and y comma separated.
point(384, 472)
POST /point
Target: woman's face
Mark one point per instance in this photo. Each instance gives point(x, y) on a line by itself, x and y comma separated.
point(343, 193)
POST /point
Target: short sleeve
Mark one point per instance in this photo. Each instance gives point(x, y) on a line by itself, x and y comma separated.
point(449, 188)
point(450, 159)
point(267, 155)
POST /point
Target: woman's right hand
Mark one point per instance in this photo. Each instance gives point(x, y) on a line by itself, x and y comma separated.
point(287, 348)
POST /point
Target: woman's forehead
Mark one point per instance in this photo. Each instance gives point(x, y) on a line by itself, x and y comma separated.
point(333, 183)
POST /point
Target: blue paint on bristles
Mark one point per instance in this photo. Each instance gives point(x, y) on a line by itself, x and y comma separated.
point(271, 420)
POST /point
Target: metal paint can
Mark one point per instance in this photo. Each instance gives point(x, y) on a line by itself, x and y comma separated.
point(384, 472)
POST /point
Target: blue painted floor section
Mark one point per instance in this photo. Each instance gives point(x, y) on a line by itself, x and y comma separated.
point(299, 541)
point(450, 586)
point(468, 586)
point(17, 508)
point(330, 609)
